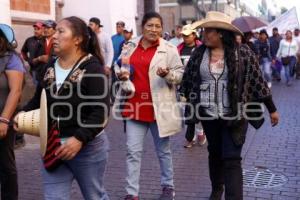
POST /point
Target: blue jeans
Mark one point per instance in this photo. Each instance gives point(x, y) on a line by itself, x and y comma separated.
point(87, 167)
point(289, 69)
point(265, 66)
point(136, 132)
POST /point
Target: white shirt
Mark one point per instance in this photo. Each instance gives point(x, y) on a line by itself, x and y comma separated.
point(298, 42)
point(60, 74)
point(287, 48)
point(176, 41)
point(107, 48)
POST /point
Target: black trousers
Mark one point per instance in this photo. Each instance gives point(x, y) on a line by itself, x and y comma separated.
point(224, 159)
point(190, 132)
point(8, 171)
point(114, 85)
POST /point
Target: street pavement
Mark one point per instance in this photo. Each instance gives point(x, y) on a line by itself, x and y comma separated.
point(270, 148)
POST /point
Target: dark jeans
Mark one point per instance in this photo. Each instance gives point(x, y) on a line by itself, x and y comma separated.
point(220, 142)
point(190, 132)
point(298, 70)
point(8, 171)
point(224, 160)
point(114, 86)
point(290, 69)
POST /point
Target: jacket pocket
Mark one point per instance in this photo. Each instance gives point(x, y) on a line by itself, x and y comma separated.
point(205, 95)
point(225, 96)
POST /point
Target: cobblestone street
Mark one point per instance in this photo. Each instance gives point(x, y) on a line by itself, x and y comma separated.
point(276, 149)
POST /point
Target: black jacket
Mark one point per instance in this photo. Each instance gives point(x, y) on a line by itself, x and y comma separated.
point(33, 48)
point(87, 100)
point(245, 80)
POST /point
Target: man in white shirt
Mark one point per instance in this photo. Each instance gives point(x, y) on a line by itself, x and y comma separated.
point(105, 43)
point(178, 36)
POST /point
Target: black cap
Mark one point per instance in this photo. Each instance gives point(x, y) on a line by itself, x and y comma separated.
point(49, 24)
point(96, 21)
point(263, 31)
point(121, 23)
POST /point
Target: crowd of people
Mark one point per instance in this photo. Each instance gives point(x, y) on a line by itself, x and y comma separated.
point(203, 79)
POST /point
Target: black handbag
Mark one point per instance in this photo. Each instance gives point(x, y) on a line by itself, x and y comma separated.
point(286, 60)
point(238, 131)
point(255, 115)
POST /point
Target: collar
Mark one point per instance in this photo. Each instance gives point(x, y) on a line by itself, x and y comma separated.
point(155, 44)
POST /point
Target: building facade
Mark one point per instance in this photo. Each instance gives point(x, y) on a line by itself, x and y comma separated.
point(22, 14)
point(186, 11)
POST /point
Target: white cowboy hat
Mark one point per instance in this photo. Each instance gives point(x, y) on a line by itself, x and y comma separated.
point(188, 30)
point(216, 19)
point(35, 122)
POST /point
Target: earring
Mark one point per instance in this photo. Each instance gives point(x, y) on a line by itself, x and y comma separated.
point(221, 36)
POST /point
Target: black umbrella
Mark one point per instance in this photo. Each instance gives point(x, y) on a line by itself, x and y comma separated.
point(248, 23)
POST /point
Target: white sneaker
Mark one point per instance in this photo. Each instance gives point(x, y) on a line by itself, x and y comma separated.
point(201, 139)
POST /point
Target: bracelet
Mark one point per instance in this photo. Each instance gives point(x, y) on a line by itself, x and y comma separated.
point(4, 120)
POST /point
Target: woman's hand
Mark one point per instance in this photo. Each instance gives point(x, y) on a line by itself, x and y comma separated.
point(162, 71)
point(69, 149)
point(274, 118)
point(125, 60)
point(123, 75)
point(16, 119)
point(3, 130)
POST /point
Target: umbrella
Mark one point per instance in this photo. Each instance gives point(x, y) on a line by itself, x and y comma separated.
point(248, 23)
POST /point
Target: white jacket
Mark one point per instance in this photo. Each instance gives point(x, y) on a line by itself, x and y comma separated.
point(287, 48)
point(163, 90)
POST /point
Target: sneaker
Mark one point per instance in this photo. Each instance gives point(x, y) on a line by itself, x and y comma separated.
point(201, 139)
point(167, 194)
point(289, 83)
point(131, 197)
point(189, 144)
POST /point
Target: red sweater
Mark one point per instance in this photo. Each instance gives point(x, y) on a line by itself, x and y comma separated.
point(140, 106)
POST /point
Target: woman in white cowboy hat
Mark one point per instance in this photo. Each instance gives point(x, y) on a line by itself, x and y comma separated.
point(78, 108)
point(11, 81)
point(220, 78)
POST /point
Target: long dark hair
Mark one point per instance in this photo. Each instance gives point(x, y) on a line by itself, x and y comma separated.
point(5, 46)
point(230, 46)
point(89, 42)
